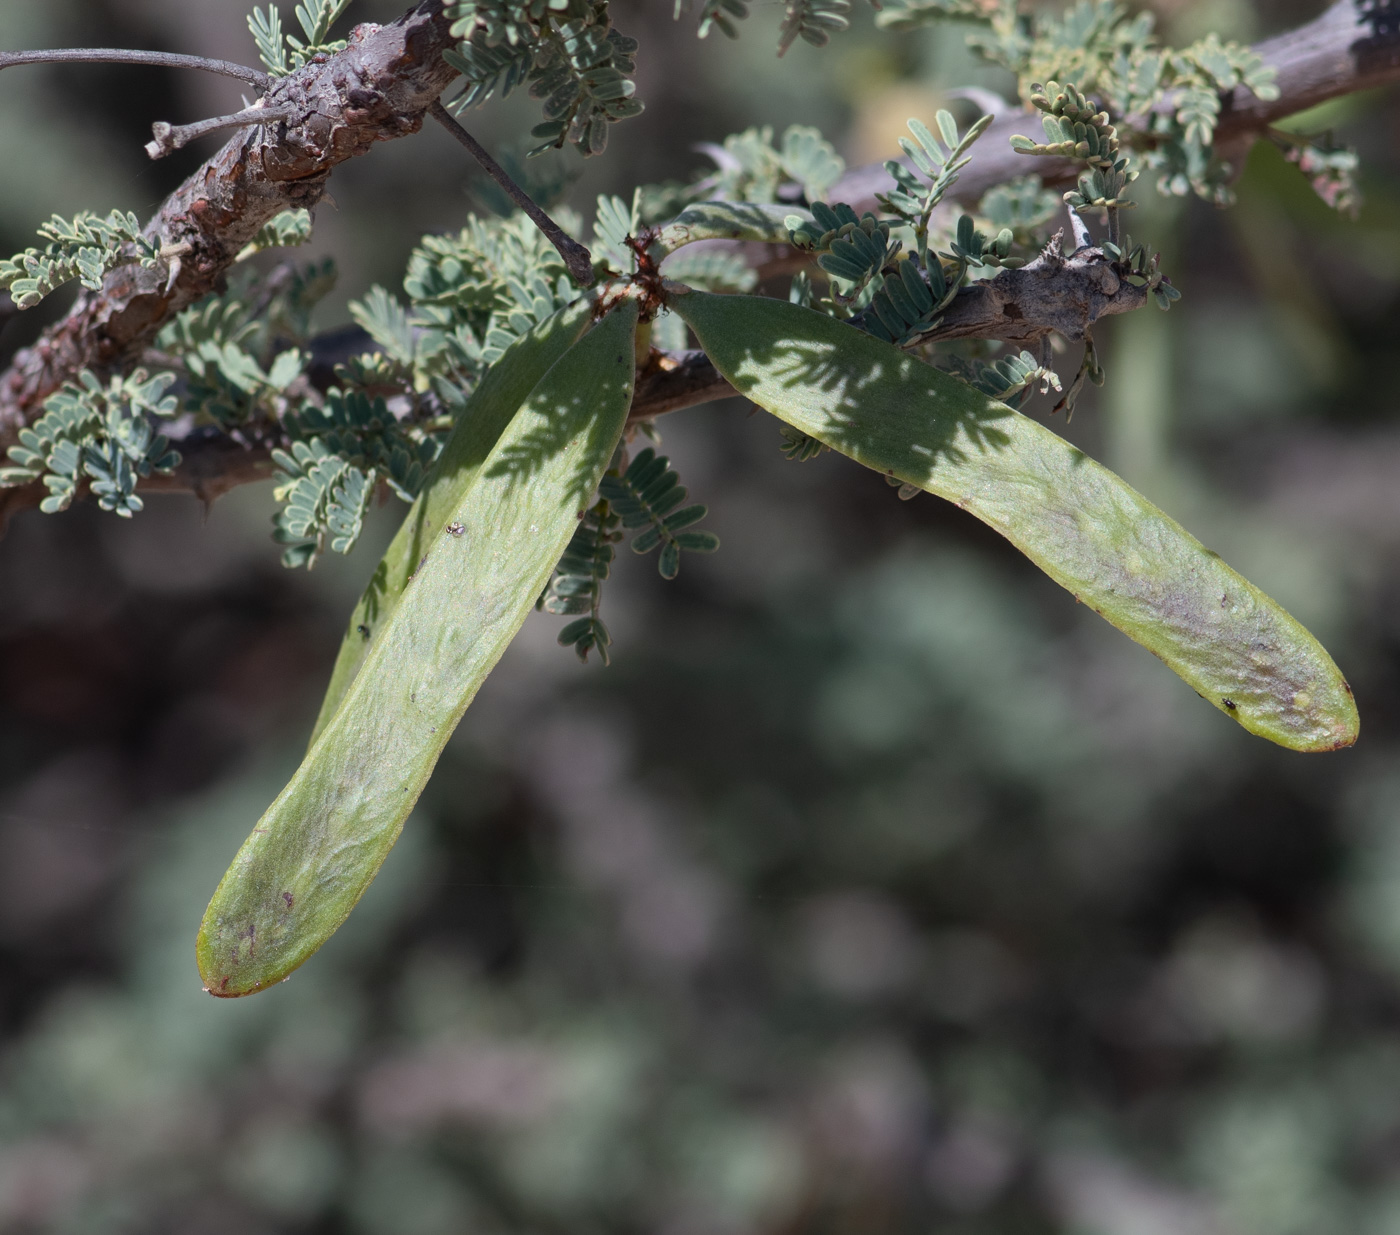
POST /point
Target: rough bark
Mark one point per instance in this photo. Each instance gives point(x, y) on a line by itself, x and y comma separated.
point(377, 89)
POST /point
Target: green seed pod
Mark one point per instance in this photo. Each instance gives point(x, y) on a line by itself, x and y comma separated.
point(322, 841)
point(1081, 524)
point(490, 409)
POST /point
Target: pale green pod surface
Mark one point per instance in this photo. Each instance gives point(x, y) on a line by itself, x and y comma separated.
point(1076, 520)
point(488, 411)
point(322, 841)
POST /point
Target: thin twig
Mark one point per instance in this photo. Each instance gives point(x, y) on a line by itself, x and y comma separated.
point(577, 258)
point(118, 55)
point(170, 138)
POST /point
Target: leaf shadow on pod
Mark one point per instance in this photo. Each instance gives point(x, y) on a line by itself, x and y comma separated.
point(480, 424)
point(520, 461)
point(809, 363)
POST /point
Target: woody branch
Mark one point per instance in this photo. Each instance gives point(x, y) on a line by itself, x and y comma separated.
point(388, 78)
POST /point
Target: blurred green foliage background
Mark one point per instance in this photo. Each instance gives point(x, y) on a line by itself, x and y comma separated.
point(874, 888)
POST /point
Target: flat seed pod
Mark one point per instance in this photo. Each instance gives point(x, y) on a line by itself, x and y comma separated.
point(1076, 520)
point(492, 405)
point(322, 841)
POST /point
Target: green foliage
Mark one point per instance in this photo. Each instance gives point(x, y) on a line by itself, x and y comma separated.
point(476, 430)
point(85, 248)
point(103, 435)
point(720, 14)
point(811, 160)
point(905, 306)
point(1143, 271)
point(472, 294)
point(901, 298)
point(1076, 129)
point(1174, 95)
point(813, 21)
point(800, 447)
point(1011, 379)
point(974, 248)
point(489, 70)
point(341, 450)
point(903, 15)
point(912, 200)
point(282, 55)
point(647, 495)
point(266, 29)
point(613, 225)
point(577, 587)
point(244, 358)
point(384, 420)
point(910, 299)
point(1024, 205)
point(753, 169)
point(566, 49)
point(287, 230)
point(713, 270)
point(858, 250)
point(325, 501)
point(853, 250)
point(386, 321)
point(244, 351)
point(358, 426)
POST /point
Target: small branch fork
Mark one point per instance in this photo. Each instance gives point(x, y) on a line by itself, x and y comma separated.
point(170, 138)
point(577, 259)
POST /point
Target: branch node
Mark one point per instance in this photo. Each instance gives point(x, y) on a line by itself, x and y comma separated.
point(170, 138)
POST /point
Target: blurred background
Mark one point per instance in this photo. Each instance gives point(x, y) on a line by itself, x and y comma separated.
point(875, 887)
